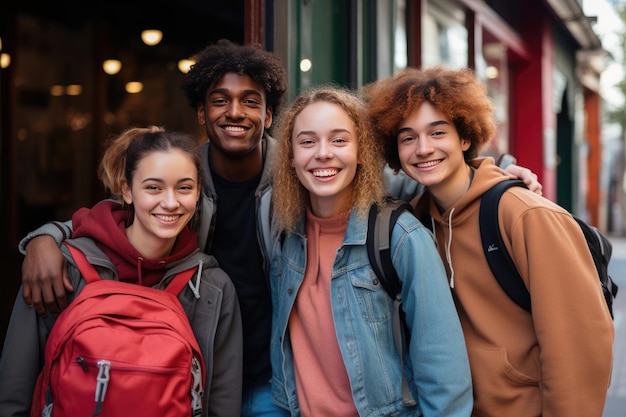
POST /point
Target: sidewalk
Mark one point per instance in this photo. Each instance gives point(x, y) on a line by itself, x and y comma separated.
point(619, 246)
point(616, 398)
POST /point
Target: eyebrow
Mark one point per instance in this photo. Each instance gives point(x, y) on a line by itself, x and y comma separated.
point(313, 133)
point(161, 181)
point(433, 124)
point(227, 92)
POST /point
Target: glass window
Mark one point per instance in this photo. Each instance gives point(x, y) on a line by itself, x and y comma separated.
point(400, 34)
point(444, 35)
point(492, 68)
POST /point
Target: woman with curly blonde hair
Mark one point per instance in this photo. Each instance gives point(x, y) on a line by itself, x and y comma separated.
point(332, 349)
point(291, 198)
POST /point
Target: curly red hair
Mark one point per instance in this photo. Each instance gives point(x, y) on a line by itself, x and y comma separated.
point(458, 94)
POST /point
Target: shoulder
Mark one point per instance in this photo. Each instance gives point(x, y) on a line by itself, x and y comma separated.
point(522, 211)
point(520, 199)
point(212, 273)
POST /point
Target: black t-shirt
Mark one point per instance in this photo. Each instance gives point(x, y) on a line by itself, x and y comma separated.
point(236, 248)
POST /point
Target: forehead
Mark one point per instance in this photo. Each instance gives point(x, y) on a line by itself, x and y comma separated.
point(425, 110)
point(166, 163)
point(324, 114)
point(236, 84)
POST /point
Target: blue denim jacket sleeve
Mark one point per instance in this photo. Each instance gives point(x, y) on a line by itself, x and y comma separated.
point(437, 351)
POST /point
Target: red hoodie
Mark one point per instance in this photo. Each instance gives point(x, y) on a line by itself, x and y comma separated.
point(105, 223)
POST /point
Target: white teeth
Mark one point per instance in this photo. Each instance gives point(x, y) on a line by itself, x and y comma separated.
point(234, 129)
point(168, 218)
point(325, 172)
point(428, 164)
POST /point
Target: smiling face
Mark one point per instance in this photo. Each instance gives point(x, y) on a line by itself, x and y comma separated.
point(235, 115)
point(325, 156)
point(431, 152)
point(164, 192)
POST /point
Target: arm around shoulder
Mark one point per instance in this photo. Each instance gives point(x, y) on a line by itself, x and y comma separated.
point(59, 231)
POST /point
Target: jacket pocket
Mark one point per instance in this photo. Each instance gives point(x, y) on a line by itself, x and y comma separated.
point(499, 387)
point(374, 303)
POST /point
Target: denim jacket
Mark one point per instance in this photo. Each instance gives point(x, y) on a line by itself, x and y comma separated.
point(436, 367)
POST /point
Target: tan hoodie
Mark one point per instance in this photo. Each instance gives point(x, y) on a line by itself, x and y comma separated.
point(555, 362)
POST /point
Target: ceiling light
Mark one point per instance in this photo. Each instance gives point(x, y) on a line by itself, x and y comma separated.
point(492, 72)
point(305, 65)
point(112, 66)
point(185, 64)
point(5, 60)
point(151, 37)
point(133, 87)
point(74, 90)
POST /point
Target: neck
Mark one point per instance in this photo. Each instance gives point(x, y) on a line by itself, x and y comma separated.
point(447, 193)
point(150, 248)
point(237, 169)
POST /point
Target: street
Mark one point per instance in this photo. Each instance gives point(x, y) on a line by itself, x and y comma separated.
point(616, 399)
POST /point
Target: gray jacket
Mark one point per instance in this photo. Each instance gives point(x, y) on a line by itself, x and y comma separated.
point(215, 319)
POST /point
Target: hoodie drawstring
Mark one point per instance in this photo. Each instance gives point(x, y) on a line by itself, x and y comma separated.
point(195, 287)
point(448, 244)
point(139, 275)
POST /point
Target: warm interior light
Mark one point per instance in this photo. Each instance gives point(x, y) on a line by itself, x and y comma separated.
point(57, 90)
point(151, 37)
point(492, 72)
point(305, 65)
point(133, 87)
point(5, 60)
point(74, 90)
point(185, 64)
point(112, 66)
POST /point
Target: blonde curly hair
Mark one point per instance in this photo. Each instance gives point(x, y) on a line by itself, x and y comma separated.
point(290, 198)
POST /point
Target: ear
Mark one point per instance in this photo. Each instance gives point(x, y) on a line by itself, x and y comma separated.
point(127, 193)
point(465, 144)
point(200, 114)
point(268, 117)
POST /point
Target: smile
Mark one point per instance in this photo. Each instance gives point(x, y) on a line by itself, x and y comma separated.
point(428, 164)
point(234, 128)
point(170, 218)
point(325, 172)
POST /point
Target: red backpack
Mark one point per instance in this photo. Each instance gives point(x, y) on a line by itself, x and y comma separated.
point(121, 349)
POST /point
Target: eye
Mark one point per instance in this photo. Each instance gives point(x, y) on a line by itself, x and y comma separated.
point(251, 102)
point(219, 101)
point(305, 141)
point(405, 139)
point(186, 187)
point(438, 133)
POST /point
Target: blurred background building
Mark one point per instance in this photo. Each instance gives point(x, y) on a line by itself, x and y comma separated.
point(71, 76)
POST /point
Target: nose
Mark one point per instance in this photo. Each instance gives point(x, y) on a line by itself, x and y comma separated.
point(170, 201)
point(324, 151)
point(235, 110)
point(423, 146)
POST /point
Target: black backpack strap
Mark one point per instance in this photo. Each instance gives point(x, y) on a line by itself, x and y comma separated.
point(499, 260)
point(380, 227)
